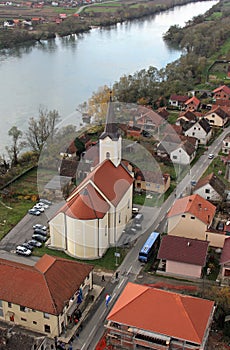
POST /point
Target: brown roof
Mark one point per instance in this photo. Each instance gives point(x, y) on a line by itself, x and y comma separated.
point(219, 111)
point(195, 205)
point(57, 278)
point(88, 204)
point(224, 88)
point(225, 256)
point(163, 312)
point(214, 181)
point(112, 181)
point(179, 98)
point(194, 100)
point(183, 250)
point(152, 176)
point(68, 167)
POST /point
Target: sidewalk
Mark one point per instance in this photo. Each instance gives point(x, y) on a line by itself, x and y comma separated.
point(71, 333)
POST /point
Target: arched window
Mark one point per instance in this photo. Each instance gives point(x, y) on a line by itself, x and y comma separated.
point(107, 155)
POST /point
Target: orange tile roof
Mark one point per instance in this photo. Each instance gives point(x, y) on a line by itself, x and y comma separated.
point(87, 204)
point(166, 313)
point(112, 181)
point(195, 205)
point(44, 287)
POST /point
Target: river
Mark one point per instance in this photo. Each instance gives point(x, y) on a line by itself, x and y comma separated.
point(62, 73)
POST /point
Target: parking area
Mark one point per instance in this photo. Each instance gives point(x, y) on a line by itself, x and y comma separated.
point(23, 231)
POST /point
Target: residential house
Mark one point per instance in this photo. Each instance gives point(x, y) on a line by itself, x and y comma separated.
point(226, 145)
point(151, 181)
point(178, 100)
point(150, 318)
point(201, 130)
point(162, 111)
point(222, 92)
point(43, 297)
point(190, 217)
point(185, 257)
point(57, 188)
point(96, 212)
point(147, 119)
point(186, 119)
point(210, 187)
point(217, 117)
point(180, 149)
point(192, 104)
point(225, 263)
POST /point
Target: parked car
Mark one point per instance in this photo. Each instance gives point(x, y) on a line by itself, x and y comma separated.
point(46, 201)
point(210, 156)
point(37, 207)
point(35, 243)
point(42, 227)
point(43, 205)
point(20, 250)
point(220, 226)
point(27, 246)
point(34, 211)
point(39, 231)
point(39, 238)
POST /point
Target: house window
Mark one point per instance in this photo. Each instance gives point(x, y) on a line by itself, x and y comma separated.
point(34, 322)
point(193, 133)
point(208, 197)
point(193, 217)
point(1, 312)
point(183, 215)
point(10, 305)
point(174, 157)
point(33, 310)
point(46, 315)
point(128, 203)
point(0, 303)
point(23, 319)
point(119, 220)
point(194, 128)
point(22, 308)
point(106, 230)
point(147, 184)
point(207, 190)
point(47, 328)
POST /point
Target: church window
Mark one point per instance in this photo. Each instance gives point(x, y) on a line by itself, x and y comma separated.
point(105, 230)
point(107, 155)
point(128, 203)
point(119, 218)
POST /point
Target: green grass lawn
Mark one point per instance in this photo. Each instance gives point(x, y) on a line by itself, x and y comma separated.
point(107, 262)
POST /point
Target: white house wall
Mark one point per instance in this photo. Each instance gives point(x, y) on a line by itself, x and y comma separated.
point(183, 269)
point(179, 156)
point(212, 195)
point(198, 132)
point(57, 231)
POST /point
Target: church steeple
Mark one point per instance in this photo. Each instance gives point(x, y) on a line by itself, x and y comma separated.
point(110, 139)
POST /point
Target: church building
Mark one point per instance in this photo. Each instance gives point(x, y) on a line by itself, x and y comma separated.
point(96, 212)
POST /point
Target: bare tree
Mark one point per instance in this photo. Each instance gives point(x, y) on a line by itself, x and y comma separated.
point(16, 146)
point(42, 128)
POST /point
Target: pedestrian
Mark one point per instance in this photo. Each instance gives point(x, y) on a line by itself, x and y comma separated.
point(116, 275)
point(103, 278)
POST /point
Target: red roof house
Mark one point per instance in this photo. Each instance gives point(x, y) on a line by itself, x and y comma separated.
point(44, 289)
point(158, 319)
point(222, 92)
point(183, 256)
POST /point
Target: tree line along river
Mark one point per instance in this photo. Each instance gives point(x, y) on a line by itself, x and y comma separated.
point(61, 73)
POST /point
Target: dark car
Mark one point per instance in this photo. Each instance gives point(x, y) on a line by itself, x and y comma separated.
point(27, 245)
point(35, 243)
point(39, 238)
point(34, 212)
point(39, 231)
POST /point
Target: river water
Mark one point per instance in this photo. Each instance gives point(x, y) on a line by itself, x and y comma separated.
point(63, 72)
